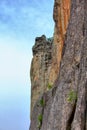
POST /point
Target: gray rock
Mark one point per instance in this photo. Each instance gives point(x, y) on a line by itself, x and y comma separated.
point(66, 104)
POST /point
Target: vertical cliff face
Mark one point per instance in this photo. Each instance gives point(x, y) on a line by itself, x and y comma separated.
point(64, 107)
point(61, 15)
point(47, 53)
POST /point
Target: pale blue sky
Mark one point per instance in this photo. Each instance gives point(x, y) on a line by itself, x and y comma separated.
point(20, 22)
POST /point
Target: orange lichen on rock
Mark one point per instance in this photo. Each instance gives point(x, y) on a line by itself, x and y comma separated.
point(61, 15)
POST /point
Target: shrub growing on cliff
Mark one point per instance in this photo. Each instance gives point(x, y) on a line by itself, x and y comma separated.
point(49, 86)
point(42, 102)
point(40, 117)
point(72, 96)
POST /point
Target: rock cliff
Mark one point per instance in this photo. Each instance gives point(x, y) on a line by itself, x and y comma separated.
point(47, 52)
point(64, 107)
point(40, 67)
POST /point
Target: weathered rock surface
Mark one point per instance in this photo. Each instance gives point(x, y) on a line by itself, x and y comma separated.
point(40, 67)
point(65, 106)
point(47, 53)
point(61, 15)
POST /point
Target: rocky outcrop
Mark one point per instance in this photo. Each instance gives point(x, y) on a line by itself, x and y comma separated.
point(65, 106)
point(47, 53)
point(41, 67)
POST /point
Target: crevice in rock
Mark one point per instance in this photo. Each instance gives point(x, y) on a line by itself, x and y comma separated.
point(43, 107)
point(78, 65)
point(71, 117)
point(85, 127)
point(86, 116)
